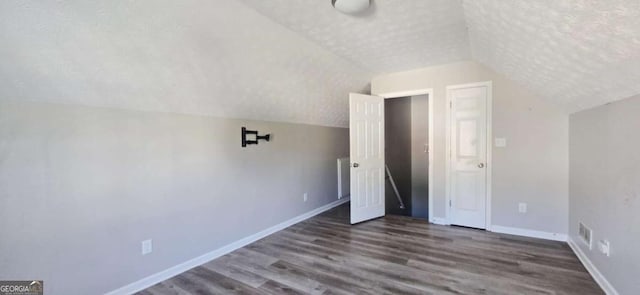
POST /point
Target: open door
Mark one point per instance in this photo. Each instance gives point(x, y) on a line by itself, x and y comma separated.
point(366, 131)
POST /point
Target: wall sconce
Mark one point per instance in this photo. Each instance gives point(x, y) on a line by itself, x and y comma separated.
point(246, 142)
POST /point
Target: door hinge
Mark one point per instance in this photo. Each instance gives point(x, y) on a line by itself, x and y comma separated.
point(450, 203)
point(451, 104)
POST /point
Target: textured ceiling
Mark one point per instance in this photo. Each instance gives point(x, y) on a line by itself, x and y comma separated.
point(393, 35)
point(579, 54)
point(296, 61)
point(218, 58)
point(575, 53)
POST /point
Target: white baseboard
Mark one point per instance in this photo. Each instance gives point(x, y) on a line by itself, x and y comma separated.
point(180, 268)
point(528, 233)
point(595, 273)
point(439, 221)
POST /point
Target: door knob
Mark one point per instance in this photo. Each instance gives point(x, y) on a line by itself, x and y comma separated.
point(481, 165)
point(356, 165)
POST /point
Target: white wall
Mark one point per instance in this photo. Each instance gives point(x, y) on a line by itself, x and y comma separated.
point(533, 168)
point(605, 188)
point(81, 187)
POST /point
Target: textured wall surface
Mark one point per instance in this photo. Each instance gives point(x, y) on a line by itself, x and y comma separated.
point(216, 58)
point(533, 168)
point(605, 188)
point(577, 53)
point(81, 187)
point(393, 35)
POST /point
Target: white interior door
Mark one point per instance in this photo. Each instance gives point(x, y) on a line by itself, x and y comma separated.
point(366, 131)
point(468, 155)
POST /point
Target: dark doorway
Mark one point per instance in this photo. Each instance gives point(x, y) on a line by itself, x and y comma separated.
point(406, 157)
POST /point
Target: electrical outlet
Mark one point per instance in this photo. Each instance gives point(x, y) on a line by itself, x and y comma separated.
point(305, 197)
point(604, 247)
point(522, 207)
point(500, 142)
point(147, 247)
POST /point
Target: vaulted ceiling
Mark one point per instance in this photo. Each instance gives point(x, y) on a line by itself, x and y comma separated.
point(393, 35)
point(295, 61)
point(218, 58)
point(577, 53)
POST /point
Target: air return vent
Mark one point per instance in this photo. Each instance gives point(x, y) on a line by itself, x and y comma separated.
point(585, 234)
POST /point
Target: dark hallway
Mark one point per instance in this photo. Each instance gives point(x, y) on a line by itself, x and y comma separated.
point(406, 157)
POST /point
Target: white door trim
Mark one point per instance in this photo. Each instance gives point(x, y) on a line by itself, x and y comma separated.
point(489, 143)
point(429, 93)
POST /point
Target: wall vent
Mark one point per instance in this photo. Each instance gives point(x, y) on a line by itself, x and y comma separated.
point(585, 234)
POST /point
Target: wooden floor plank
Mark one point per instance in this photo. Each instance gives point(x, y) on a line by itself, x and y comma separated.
point(390, 255)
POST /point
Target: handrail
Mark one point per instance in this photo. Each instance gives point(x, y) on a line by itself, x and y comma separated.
point(395, 189)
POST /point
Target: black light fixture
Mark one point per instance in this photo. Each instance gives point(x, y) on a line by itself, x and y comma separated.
point(257, 137)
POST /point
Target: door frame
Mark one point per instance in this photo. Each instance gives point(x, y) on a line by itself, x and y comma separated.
point(429, 93)
point(489, 143)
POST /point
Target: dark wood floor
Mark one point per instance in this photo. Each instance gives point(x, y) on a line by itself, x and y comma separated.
point(390, 255)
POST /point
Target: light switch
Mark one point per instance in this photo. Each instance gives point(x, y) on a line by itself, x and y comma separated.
point(501, 142)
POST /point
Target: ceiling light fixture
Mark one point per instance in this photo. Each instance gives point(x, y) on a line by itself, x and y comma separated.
point(350, 6)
